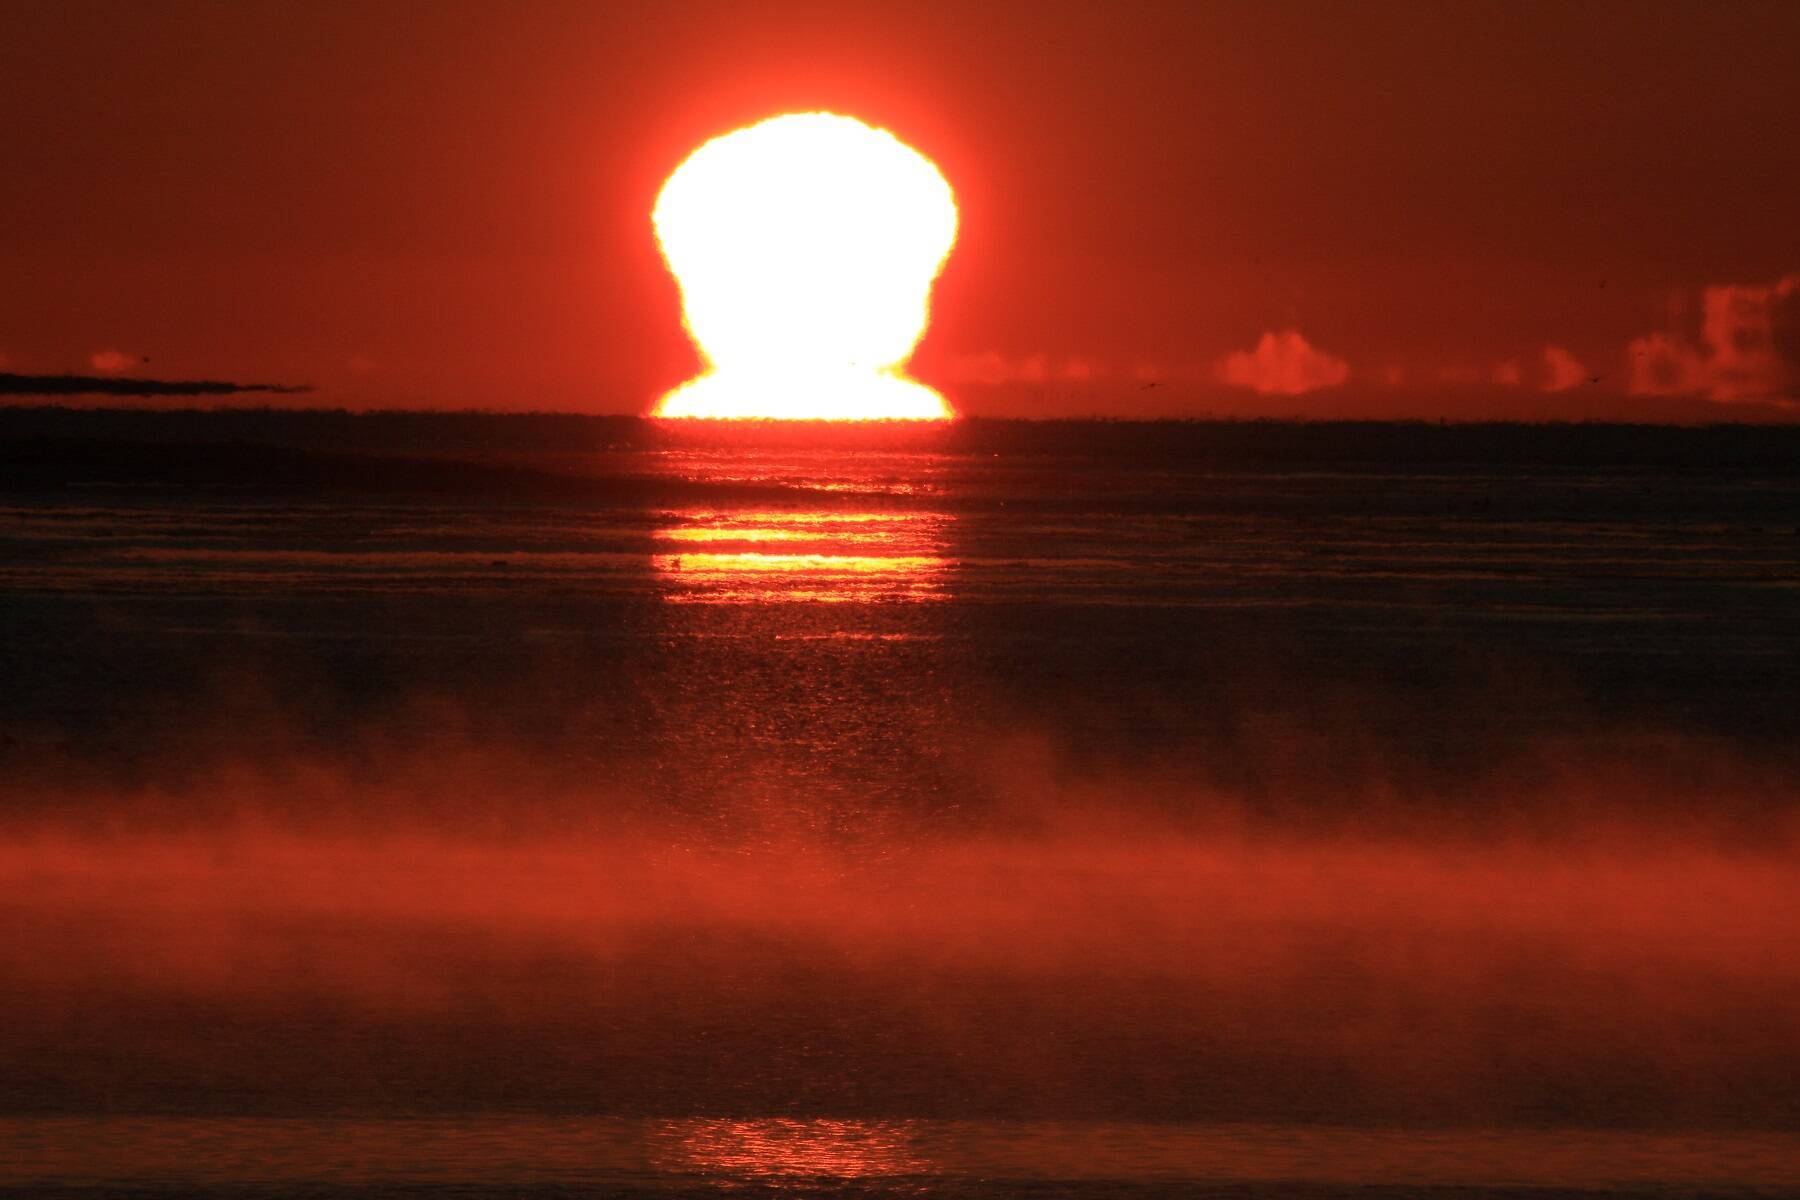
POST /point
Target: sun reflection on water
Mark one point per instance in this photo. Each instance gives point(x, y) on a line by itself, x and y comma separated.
point(774, 1149)
point(821, 556)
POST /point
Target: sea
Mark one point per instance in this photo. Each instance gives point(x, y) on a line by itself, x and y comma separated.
point(472, 804)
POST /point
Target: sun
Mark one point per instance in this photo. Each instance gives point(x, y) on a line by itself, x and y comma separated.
point(806, 246)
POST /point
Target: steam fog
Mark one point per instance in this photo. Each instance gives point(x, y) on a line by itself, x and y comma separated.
point(1073, 773)
point(446, 933)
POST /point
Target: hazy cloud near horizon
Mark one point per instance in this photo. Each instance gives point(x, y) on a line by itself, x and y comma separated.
point(109, 361)
point(1284, 364)
point(1562, 370)
point(1747, 347)
point(991, 368)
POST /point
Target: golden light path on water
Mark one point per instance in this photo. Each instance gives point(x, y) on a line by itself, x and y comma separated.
point(776, 1147)
point(778, 1156)
point(760, 557)
point(806, 247)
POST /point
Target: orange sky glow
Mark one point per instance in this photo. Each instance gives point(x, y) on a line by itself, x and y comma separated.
point(1162, 209)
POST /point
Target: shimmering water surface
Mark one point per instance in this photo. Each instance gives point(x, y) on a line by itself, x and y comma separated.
point(601, 1156)
point(1018, 815)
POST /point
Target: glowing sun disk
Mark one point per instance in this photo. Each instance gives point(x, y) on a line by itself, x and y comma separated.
point(806, 247)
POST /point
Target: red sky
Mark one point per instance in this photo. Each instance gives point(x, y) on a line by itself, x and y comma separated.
point(1344, 209)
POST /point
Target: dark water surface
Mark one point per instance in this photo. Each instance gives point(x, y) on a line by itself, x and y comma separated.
point(580, 808)
point(513, 1156)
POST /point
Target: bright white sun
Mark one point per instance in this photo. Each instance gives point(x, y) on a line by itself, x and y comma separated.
point(806, 246)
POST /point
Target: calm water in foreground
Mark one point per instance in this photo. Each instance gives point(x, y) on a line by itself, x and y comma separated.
point(510, 1156)
point(578, 809)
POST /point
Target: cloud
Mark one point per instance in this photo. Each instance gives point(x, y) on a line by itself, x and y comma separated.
point(992, 368)
point(110, 361)
point(1508, 373)
point(1748, 347)
point(1284, 364)
point(1666, 364)
point(1562, 370)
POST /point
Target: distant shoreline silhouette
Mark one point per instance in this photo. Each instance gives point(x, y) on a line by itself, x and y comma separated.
point(116, 385)
point(56, 436)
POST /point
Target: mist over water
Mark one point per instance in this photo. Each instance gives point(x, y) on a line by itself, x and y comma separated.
point(908, 786)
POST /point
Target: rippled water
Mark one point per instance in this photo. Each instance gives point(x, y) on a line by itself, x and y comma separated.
point(1077, 823)
point(530, 1156)
point(885, 606)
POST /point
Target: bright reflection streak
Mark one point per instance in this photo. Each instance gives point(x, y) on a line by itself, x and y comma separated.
point(806, 246)
point(759, 557)
point(818, 1149)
